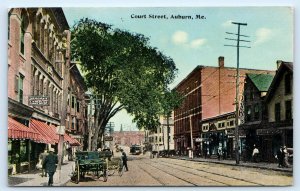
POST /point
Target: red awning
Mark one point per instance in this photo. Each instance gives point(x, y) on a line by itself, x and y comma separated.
point(45, 131)
point(17, 130)
point(48, 133)
point(71, 140)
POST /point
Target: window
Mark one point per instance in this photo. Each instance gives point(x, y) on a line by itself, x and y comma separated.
point(251, 93)
point(20, 88)
point(78, 106)
point(8, 25)
point(256, 111)
point(288, 110)
point(73, 123)
point(287, 83)
point(248, 113)
point(73, 101)
point(22, 35)
point(277, 112)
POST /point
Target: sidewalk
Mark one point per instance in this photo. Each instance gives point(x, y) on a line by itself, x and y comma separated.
point(35, 178)
point(261, 165)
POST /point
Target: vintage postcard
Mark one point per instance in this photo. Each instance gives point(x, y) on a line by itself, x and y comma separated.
point(150, 96)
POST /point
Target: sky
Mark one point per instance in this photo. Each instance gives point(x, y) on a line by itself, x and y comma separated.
point(192, 42)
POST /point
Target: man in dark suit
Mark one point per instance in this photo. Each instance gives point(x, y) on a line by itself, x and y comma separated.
point(50, 165)
point(124, 159)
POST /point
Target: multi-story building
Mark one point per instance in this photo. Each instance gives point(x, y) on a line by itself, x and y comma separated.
point(209, 92)
point(128, 138)
point(278, 130)
point(255, 110)
point(161, 139)
point(38, 56)
point(76, 105)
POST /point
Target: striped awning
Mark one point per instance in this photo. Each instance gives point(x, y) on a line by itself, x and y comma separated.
point(48, 133)
point(17, 130)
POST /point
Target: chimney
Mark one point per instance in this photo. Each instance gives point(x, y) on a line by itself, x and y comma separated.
point(221, 61)
point(278, 62)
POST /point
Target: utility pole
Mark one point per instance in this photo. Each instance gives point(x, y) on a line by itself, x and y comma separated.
point(237, 155)
point(192, 145)
point(61, 128)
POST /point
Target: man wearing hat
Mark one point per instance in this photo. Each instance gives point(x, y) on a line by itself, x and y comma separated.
point(50, 165)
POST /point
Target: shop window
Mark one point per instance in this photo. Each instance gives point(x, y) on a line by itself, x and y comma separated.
point(23, 153)
point(277, 112)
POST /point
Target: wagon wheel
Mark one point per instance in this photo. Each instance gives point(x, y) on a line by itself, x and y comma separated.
point(120, 168)
point(78, 173)
point(110, 171)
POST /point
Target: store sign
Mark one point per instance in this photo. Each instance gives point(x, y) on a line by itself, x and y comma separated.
point(268, 131)
point(39, 100)
point(108, 138)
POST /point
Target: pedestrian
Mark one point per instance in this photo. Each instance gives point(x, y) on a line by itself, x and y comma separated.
point(124, 159)
point(50, 165)
point(255, 154)
point(279, 156)
point(285, 157)
point(219, 152)
point(43, 157)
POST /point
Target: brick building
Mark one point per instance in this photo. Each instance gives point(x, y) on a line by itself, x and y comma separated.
point(128, 138)
point(209, 92)
point(38, 58)
point(76, 122)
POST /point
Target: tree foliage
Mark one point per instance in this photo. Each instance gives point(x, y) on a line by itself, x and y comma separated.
point(123, 71)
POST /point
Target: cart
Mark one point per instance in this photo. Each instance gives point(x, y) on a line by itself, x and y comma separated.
point(89, 161)
point(115, 165)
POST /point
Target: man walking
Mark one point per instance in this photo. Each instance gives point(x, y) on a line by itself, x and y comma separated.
point(42, 158)
point(50, 165)
point(124, 159)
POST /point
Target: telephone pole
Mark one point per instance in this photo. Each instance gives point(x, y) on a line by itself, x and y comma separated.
point(237, 155)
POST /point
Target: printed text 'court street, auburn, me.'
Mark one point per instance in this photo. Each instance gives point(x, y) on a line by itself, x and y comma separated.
point(163, 16)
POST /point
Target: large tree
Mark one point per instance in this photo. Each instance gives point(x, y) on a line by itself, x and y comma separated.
point(123, 71)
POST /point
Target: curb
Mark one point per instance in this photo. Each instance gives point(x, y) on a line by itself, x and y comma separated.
point(241, 165)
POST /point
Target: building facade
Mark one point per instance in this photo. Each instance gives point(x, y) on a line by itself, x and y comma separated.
point(162, 138)
point(38, 56)
point(255, 111)
point(76, 119)
point(278, 130)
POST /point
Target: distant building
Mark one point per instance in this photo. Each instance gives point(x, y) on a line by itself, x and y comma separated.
point(128, 138)
point(159, 139)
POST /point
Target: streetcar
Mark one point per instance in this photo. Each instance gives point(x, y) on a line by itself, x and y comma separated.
point(136, 149)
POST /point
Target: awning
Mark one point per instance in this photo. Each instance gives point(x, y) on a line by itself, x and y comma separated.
point(44, 130)
point(17, 130)
point(48, 133)
point(72, 141)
